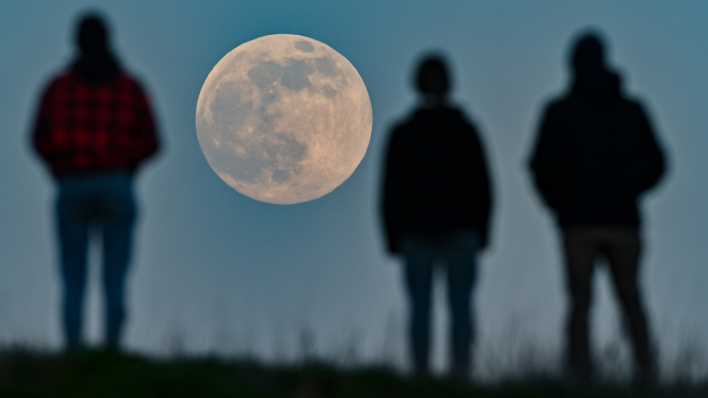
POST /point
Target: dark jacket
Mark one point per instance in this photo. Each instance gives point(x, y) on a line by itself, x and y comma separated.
point(436, 179)
point(596, 153)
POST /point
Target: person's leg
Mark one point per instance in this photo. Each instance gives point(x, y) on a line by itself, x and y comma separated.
point(580, 252)
point(418, 276)
point(117, 229)
point(461, 261)
point(623, 251)
point(72, 236)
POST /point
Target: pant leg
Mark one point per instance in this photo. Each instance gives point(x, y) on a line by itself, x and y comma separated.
point(461, 265)
point(623, 251)
point(117, 233)
point(72, 235)
point(580, 252)
point(418, 277)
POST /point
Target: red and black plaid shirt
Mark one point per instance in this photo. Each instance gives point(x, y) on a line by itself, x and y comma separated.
point(82, 128)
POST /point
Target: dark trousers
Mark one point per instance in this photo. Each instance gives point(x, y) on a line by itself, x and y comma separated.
point(621, 248)
point(101, 207)
point(458, 255)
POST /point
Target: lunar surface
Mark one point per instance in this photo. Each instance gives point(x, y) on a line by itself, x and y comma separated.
point(284, 119)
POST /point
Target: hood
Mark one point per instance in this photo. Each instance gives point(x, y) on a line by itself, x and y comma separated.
point(96, 68)
point(598, 86)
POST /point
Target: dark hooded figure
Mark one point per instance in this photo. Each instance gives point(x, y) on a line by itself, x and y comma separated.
point(436, 207)
point(93, 130)
point(596, 154)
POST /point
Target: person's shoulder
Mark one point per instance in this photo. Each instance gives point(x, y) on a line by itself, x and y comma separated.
point(402, 129)
point(558, 103)
point(56, 85)
point(59, 80)
point(459, 112)
point(405, 121)
point(634, 103)
point(131, 81)
point(398, 127)
point(455, 117)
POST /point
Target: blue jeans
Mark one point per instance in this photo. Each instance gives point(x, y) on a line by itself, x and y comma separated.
point(458, 253)
point(101, 207)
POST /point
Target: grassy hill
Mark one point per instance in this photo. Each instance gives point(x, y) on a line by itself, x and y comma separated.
point(97, 374)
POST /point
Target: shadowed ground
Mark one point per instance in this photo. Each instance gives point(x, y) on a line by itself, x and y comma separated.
point(95, 374)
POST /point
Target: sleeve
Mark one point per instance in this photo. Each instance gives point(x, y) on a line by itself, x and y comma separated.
point(145, 142)
point(546, 159)
point(653, 163)
point(485, 189)
point(41, 139)
point(390, 200)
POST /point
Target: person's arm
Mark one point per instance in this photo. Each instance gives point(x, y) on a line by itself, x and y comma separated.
point(483, 189)
point(145, 141)
point(545, 163)
point(390, 200)
point(652, 165)
point(40, 134)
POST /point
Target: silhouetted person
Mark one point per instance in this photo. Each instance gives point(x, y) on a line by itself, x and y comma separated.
point(93, 130)
point(596, 154)
point(436, 208)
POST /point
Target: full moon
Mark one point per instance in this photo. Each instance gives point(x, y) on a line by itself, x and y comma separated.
point(284, 119)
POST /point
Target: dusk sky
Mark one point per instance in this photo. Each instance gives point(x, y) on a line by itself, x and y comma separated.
point(217, 271)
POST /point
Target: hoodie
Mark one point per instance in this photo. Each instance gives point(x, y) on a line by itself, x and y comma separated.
point(596, 152)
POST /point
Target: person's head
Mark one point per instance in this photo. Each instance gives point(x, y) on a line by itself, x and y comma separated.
point(588, 54)
point(432, 78)
point(92, 35)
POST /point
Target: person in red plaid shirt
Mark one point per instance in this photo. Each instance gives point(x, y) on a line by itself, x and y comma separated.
point(94, 129)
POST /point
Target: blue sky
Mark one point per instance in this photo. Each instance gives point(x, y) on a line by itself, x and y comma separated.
point(217, 271)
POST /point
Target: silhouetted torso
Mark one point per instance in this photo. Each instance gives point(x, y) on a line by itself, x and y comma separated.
point(436, 180)
point(596, 154)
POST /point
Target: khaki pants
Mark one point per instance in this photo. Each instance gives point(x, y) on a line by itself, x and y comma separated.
point(621, 248)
